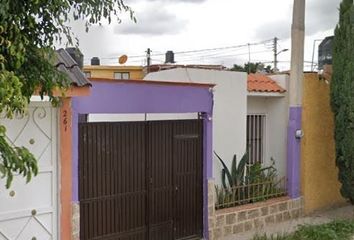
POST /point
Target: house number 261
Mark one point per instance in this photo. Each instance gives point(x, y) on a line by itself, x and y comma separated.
point(65, 120)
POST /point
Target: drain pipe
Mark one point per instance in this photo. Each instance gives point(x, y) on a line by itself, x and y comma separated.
point(295, 98)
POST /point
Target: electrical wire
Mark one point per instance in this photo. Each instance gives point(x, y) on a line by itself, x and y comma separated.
point(159, 53)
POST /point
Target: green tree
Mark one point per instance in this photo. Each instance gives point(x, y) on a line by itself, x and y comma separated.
point(29, 29)
point(342, 97)
point(238, 68)
point(251, 68)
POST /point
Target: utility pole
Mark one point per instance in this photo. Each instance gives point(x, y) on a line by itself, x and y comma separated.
point(249, 58)
point(297, 53)
point(148, 59)
point(275, 50)
point(295, 98)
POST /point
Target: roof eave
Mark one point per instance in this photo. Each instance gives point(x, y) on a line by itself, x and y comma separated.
point(265, 94)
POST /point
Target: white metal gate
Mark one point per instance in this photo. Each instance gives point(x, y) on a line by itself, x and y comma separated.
point(29, 211)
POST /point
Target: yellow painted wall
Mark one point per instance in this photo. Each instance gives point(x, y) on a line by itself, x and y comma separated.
point(136, 72)
point(319, 182)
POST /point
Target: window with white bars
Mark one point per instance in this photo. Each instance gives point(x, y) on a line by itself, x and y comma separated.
point(255, 137)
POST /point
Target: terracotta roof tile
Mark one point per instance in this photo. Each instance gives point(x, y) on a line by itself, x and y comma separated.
point(262, 83)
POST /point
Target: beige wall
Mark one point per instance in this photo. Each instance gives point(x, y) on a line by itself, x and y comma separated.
point(319, 182)
point(136, 72)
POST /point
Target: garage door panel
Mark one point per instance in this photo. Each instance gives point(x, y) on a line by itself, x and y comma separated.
point(161, 189)
point(45, 159)
point(162, 231)
point(27, 196)
point(131, 187)
point(112, 189)
point(12, 228)
point(187, 158)
point(32, 207)
point(34, 229)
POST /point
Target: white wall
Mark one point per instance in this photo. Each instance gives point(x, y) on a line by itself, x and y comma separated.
point(276, 111)
point(139, 117)
point(281, 79)
point(230, 109)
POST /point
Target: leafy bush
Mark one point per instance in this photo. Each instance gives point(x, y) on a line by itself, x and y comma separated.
point(342, 97)
point(245, 183)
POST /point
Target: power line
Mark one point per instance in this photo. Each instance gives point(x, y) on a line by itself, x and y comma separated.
point(198, 50)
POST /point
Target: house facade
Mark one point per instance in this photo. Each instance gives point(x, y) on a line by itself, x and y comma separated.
point(114, 72)
point(267, 119)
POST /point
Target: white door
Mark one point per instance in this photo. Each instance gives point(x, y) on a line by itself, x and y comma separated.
point(29, 211)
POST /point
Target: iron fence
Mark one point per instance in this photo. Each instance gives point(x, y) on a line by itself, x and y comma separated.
point(256, 191)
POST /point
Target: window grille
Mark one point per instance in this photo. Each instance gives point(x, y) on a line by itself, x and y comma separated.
point(255, 138)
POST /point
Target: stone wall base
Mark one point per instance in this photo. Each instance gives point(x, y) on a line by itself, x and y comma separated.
point(253, 216)
point(75, 221)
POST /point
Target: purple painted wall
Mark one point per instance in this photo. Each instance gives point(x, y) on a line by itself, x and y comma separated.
point(293, 153)
point(144, 98)
point(120, 97)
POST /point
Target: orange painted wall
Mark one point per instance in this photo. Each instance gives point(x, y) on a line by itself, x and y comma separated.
point(319, 182)
point(65, 169)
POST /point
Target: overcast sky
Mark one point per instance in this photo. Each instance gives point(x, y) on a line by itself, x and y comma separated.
point(185, 25)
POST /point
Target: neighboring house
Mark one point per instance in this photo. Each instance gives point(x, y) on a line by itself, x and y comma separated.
point(41, 209)
point(267, 119)
point(95, 70)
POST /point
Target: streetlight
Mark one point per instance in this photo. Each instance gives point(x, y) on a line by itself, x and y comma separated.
point(276, 58)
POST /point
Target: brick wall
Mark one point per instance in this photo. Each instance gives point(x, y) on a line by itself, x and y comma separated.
point(247, 217)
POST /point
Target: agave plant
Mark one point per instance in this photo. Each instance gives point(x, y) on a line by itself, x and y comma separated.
point(236, 175)
point(244, 184)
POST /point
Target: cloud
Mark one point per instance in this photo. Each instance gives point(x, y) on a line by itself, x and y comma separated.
point(154, 20)
point(321, 15)
point(280, 29)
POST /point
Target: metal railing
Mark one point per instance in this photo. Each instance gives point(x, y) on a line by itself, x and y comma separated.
point(250, 193)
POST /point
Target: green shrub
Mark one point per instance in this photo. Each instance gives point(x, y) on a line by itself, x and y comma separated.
point(245, 183)
point(342, 97)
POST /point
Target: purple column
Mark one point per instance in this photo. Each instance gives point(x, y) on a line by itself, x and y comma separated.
point(293, 153)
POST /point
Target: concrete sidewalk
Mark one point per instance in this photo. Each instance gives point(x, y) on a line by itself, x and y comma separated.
point(346, 212)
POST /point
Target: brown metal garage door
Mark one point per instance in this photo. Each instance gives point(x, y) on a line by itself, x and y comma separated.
point(141, 180)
